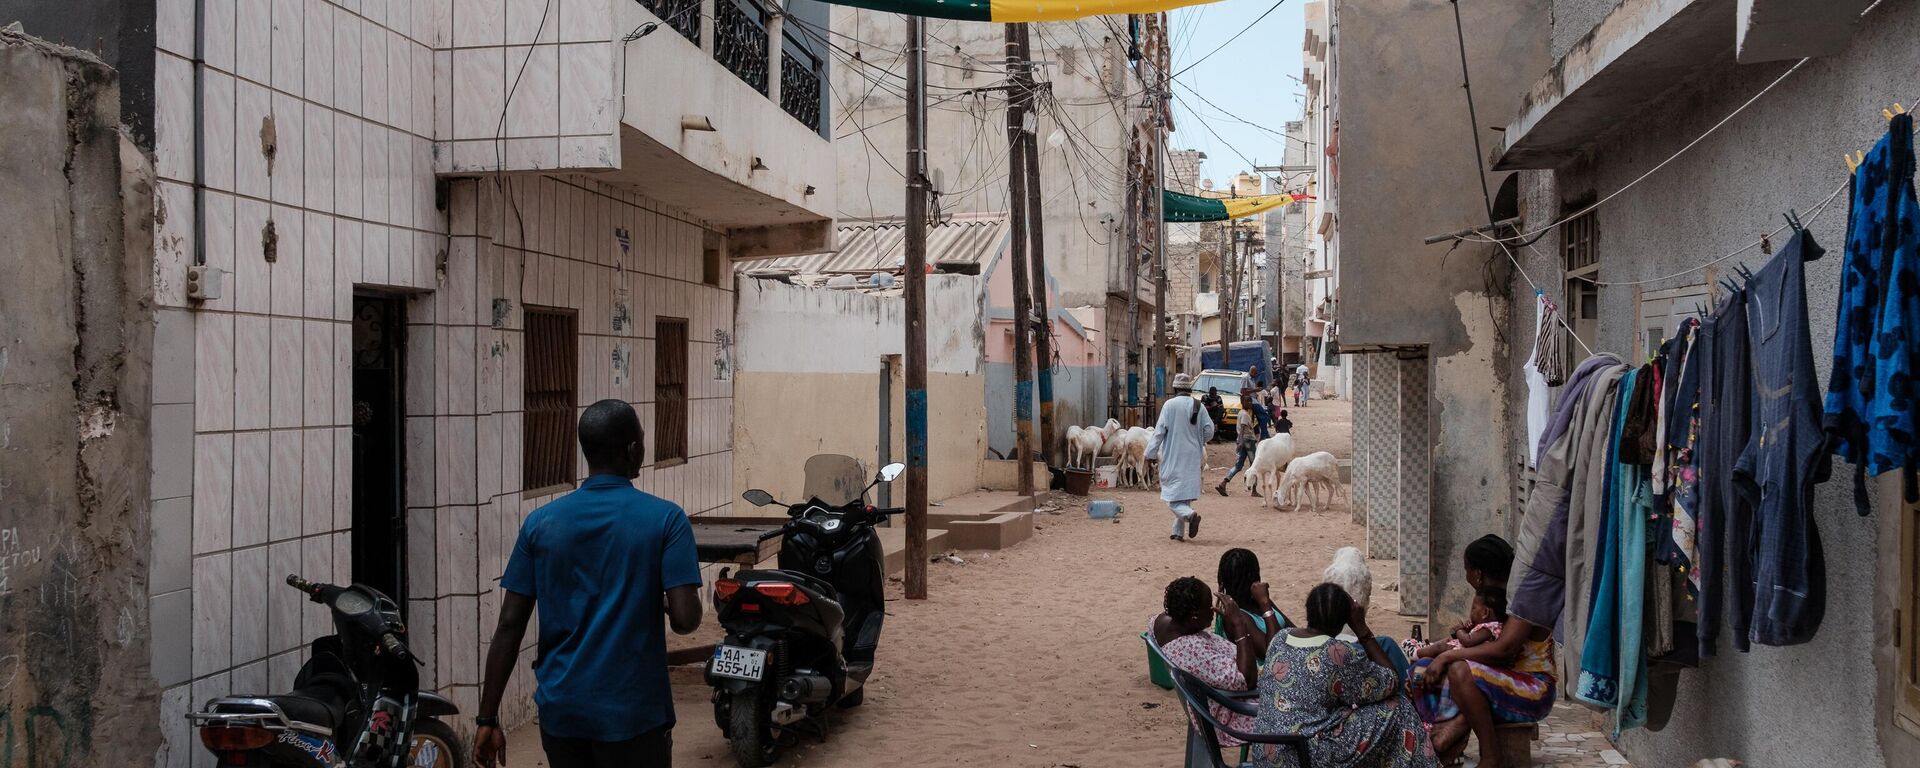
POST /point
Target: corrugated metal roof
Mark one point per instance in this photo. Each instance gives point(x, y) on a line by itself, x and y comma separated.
point(880, 246)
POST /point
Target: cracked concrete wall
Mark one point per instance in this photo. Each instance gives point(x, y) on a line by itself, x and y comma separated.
point(75, 684)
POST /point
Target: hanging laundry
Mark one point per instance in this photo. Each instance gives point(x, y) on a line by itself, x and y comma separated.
point(1599, 671)
point(1871, 402)
point(1539, 583)
point(1636, 433)
point(1787, 454)
point(1683, 473)
point(1538, 397)
point(1724, 514)
point(1549, 352)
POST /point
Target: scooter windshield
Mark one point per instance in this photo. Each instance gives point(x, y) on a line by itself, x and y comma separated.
point(835, 479)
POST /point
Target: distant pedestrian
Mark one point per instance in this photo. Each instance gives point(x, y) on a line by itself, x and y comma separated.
point(1301, 382)
point(1281, 424)
point(1246, 441)
point(1216, 407)
point(1250, 401)
point(605, 563)
point(1179, 443)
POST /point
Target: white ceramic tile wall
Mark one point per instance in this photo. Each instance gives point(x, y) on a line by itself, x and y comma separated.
point(321, 119)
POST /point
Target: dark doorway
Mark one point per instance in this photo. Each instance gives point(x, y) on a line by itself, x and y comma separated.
point(379, 456)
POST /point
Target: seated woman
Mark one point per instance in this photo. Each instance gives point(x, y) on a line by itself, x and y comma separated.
point(1240, 580)
point(1508, 679)
point(1181, 632)
point(1341, 695)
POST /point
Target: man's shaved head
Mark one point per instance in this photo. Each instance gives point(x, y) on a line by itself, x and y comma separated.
point(610, 437)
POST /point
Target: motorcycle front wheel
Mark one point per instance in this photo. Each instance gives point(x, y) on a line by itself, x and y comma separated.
point(751, 736)
point(435, 746)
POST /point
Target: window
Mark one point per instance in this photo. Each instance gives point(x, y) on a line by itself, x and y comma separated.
point(1580, 254)
point(713, 260)
point(669, 390)
point(1906, 619)
point(1661, 313)
point(550, 367)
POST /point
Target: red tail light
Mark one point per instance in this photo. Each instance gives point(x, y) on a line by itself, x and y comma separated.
point(724, 589)
point(235, 738)
point(782, 593)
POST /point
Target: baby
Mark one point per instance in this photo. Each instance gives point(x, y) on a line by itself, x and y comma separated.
point(1483, 623)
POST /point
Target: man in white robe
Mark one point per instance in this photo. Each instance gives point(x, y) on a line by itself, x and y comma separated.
point(1179, 443)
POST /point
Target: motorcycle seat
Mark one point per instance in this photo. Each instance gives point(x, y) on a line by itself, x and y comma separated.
point(321, 702)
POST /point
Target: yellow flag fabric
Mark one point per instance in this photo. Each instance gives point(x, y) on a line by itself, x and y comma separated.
point(1190, 208)
point(1242, 207)
point(1015, 11)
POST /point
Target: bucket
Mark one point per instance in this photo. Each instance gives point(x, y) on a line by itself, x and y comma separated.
point(1106, 477)
point(1079, 481)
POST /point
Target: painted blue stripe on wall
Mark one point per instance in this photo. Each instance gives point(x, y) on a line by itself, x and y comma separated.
point(916, 428)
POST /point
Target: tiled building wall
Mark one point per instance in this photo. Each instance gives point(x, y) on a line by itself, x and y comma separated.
point(317, 119)
point(619, 261)
point(1415, 483)
point(1382, 434)
point(320, 120)
point(550, 64)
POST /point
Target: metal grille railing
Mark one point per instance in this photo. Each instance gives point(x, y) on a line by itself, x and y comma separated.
point(682, 15)
point(551, 370)
point(740, 40)
point(800, 88)
point(670, 388)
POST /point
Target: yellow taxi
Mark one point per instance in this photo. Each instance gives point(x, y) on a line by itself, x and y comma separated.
point(1229, 384)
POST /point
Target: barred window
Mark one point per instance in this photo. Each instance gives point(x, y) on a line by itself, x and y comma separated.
point(670, 390)
point(550, 375)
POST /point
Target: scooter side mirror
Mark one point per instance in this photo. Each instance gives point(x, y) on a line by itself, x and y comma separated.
point(757, 497)
point(891, 471)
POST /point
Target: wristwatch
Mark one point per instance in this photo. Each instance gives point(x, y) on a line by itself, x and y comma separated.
point(487, 722)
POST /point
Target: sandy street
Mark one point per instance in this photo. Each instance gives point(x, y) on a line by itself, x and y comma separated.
point(1032, 656)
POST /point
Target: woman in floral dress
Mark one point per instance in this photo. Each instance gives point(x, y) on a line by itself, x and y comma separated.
point(1342, 695)
point(1226, 664)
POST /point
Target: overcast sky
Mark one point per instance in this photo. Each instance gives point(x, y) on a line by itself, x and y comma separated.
point(1252, 78)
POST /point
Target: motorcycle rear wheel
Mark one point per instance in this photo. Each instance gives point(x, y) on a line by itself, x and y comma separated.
point(435, 746)
point(751, 736)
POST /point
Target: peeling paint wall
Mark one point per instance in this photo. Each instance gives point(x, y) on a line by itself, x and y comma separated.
point(75, 686)
point(1417, 178)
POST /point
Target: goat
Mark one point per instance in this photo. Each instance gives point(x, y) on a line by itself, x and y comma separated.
point(1130, 447)
point(1270, 458)
point(1311, 474)
point(1349, 570)
point(1085, 444)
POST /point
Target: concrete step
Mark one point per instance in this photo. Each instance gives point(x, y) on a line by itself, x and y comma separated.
point(894, 541)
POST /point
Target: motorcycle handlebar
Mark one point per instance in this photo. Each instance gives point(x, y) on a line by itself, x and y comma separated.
point(311, 589)
point(885, 511)
point(399, 649)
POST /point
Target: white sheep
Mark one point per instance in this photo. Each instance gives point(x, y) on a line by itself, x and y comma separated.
point(1349, 570)
point(1270, 458)
point(1309, 475)
point(1130, 447)
point(1085, 444)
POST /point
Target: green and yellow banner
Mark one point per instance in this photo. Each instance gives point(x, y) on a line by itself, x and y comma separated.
point(1015, 11)
point(1189, 208)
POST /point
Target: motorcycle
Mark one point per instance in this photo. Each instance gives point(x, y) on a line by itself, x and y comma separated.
point(355, 703)
point(801, 639)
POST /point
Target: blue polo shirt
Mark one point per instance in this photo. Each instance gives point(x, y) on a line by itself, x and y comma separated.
point(598, 562)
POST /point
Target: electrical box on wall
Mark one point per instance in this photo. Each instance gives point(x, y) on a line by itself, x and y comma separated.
point(205, 283)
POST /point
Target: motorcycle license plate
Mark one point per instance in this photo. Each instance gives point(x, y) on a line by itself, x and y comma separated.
point(738, 663)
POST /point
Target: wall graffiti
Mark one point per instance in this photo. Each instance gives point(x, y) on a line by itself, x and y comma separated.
point(37, 737)
point(14, 555)
point(722, 355)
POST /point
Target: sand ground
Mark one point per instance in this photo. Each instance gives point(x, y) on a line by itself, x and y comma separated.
point(1032, 656)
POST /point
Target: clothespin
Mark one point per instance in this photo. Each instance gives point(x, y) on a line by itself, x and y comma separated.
point(1745, 274)
point(1766, 244)
point(1854, 160)
point(1897, 110)
point(1793, 220)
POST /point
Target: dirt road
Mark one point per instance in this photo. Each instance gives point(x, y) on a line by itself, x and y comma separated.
point(1032, 656)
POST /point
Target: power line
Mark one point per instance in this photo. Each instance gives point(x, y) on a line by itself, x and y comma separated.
point(1243, 30)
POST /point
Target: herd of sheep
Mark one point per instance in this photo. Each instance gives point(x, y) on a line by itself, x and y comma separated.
point(1275, 468)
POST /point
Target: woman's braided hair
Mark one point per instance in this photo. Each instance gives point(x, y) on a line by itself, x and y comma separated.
point(1328, 607)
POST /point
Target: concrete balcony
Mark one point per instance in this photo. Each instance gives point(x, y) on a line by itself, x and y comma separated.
point(707, 127)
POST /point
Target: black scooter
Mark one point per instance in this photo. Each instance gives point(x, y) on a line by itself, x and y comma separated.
point(356, 703)
point(801, 639)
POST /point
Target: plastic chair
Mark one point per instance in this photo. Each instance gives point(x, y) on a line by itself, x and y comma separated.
point(1203, 729)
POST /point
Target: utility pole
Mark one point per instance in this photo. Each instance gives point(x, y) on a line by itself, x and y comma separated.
point(1160, 165)
point(1229, 287)
point(1022, 294)
point(1037, 249)
point(916, 296)
point(1132, 255)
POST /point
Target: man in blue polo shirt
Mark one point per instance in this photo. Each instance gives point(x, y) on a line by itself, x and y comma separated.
point(604, 563)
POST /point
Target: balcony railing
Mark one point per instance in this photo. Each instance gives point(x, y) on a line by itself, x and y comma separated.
point(800, 88)
point(740, 40)
point(682, 15)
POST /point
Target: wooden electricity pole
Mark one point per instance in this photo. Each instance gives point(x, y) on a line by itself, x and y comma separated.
point(916, 297)
point(1022, 294)
point(1024, 89)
